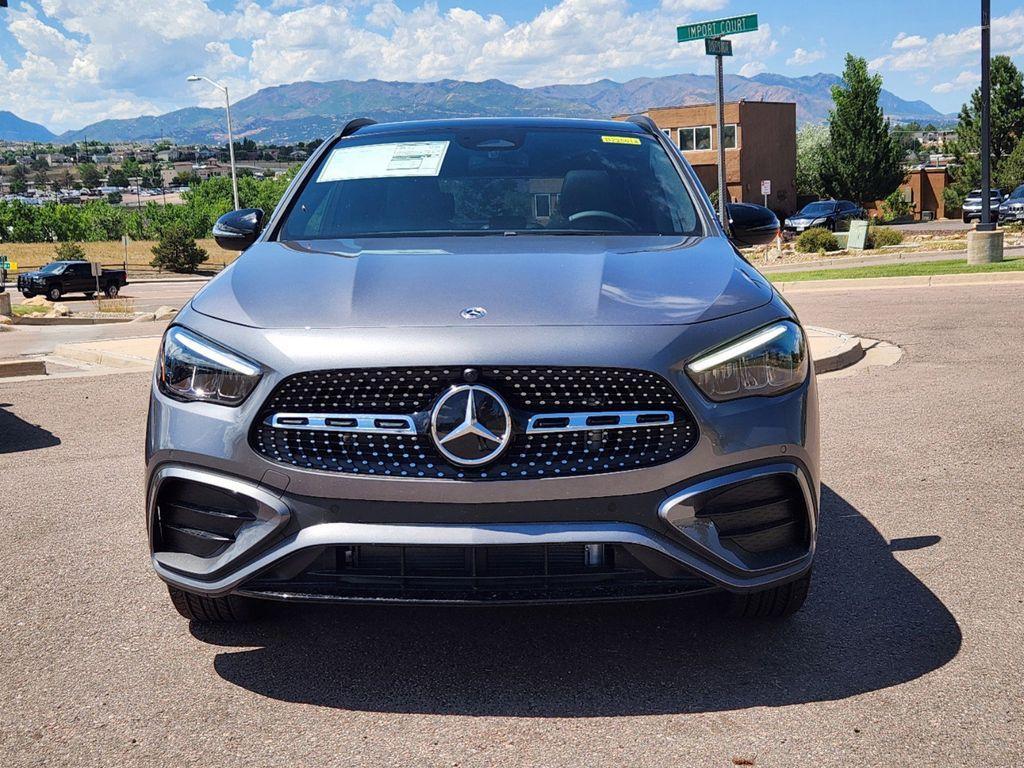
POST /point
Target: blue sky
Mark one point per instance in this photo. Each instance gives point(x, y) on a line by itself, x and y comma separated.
point(66, 63)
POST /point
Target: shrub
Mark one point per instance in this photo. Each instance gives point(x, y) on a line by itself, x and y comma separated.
point(177, 250)
point(882, 236)
point(896, 207)
point(816, 239)
point(70, 252)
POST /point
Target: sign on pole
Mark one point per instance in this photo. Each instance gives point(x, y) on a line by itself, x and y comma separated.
point(716, 46)
point(766, 187)
point(712, 32)
point(717, 28)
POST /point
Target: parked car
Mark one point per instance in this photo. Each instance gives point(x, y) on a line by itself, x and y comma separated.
point(972, 205)
point(59, 278)
point(834, 215)
point(756, 224)
point(1012, 208)
point(517, 360)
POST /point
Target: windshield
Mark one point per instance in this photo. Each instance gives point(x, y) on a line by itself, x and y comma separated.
point(491, 180)
point(818, 209)
point(1018, 193)
point(54, 268)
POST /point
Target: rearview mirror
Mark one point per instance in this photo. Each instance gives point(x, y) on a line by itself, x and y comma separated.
point(237, 230)
point(751, 224)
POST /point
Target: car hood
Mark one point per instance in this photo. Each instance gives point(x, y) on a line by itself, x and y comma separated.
point(519, 280)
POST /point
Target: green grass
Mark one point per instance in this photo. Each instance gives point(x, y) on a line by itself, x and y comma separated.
point(900, 270)
point(20, 310)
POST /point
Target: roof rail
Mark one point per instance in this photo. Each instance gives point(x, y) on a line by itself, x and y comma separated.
point(354, 125)
point(645, 122)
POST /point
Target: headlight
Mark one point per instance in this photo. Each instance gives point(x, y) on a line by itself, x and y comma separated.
point(193, 368)
point(767, 362)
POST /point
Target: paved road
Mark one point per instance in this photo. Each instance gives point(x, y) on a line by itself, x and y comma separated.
point(909, 652)
point(148, 296)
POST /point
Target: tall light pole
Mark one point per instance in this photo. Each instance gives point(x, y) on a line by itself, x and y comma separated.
point(231, 138)
point(986, 99)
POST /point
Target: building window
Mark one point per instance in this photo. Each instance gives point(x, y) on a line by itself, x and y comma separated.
point(695, 138)
point(668, 133)
point(730, 137)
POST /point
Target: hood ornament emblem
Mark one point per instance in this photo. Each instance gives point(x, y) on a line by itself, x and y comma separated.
point(471, 425)
point(473, 313)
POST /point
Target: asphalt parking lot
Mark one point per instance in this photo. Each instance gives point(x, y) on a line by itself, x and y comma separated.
point(910, 650)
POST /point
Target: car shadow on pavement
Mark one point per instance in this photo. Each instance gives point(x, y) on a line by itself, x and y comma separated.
point(869, 623)
point(18, 435)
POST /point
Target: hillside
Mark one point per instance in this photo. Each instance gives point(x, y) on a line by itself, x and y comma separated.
point(306, 110)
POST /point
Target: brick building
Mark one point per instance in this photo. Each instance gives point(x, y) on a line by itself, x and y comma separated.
point(760, 144)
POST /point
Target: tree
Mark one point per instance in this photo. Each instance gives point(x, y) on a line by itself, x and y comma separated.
point(90, 175)
point(177, 250)
point(70, 251)
point(1006, 129)
point(811, 145)
point(18, 179)
point(1011, 168)
point(864, 160)
point(117, 178)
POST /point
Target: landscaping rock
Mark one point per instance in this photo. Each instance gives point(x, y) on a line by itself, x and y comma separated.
point(5, 320)
point(59, 310)
point(165, 313)
point(37, 301)
point(145, 317)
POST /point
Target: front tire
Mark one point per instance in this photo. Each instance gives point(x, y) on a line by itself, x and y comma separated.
point(53, 294)
point(27, 294)
point(967, 219)
point(230, 608)
point(774, 603)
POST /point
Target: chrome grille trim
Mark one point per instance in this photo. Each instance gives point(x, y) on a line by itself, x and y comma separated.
point(577, 422)
point(370, 423)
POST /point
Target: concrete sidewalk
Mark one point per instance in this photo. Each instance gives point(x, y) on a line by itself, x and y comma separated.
point(831, 351)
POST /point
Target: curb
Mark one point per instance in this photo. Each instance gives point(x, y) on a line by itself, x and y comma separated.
point(913, 281)
point(82, 353)
point(843, 350)
point(848, 262)
point(9, 368)
point(29, 320)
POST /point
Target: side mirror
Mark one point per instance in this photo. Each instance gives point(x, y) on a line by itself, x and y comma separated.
point(237, 230)
point(751, 224)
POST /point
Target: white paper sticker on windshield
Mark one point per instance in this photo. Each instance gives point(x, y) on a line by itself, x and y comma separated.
point(379, 161)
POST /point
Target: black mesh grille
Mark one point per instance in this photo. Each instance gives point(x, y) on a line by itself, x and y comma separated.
point(412, 391)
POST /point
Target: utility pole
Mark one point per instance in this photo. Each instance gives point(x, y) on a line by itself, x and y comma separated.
point(985, 244)
point(986, 224)
point(231, 138)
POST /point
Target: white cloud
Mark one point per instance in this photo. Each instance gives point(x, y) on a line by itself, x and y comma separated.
point(903, 40)
point(76, 61)
point(801, 57)
point(752, 68)
point(963, 81)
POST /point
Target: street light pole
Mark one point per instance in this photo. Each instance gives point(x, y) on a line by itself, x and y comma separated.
point(231, 138)
point(986, 224)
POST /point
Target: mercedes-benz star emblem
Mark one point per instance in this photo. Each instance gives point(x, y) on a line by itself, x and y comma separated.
point(470, 425)
point(473, 313)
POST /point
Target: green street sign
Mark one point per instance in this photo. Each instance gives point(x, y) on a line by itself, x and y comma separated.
point(717, 28)
point(716, 46)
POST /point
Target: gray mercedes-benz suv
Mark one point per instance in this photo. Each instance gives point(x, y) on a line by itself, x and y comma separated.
point(485, 361)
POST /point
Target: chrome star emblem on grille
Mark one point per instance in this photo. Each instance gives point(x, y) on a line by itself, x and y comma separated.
point(473, 313)
point(470, 425)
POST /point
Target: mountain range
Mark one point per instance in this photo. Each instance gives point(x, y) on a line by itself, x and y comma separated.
point(306, 110)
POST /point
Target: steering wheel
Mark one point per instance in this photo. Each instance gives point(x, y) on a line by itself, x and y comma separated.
point(602, 215)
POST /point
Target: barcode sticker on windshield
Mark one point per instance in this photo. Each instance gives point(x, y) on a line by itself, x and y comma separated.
point(381, 161)
point(621, 140)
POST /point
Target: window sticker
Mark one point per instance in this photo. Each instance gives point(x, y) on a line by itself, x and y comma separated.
point(621, 140)
point(381, 161)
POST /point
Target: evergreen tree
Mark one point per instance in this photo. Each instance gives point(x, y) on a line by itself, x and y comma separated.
point(864, 160)
point(1006, 129)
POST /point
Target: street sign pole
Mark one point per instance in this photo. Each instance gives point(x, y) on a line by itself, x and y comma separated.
point(722, 197)
point(712, 33)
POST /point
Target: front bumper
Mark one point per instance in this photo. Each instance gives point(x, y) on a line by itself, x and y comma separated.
point(1011, 214)
point(670, 537)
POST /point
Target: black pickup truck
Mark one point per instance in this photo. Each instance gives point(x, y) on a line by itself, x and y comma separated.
point(60, 277)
